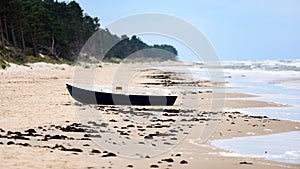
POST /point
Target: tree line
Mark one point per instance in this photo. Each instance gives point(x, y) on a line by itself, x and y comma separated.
point(134, 47)
point(56, 29)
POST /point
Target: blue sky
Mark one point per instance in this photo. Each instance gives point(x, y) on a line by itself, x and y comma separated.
point(238, 29)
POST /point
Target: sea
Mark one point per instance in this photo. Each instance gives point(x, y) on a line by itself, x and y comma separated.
point(275, 81)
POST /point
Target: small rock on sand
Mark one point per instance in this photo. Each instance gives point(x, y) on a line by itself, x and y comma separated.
point(10, 143)
point(24, 144)
point(109, 155)
point(72, 149)
point(30, 131)
point(95, 151)
point(169, 160)
point(183, 162)
point(154, 166)
point(245, 162)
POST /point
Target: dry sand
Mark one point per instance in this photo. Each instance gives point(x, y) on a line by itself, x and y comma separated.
point(35, 97)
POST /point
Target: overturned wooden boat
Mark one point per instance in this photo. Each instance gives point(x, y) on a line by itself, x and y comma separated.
point(92, 94)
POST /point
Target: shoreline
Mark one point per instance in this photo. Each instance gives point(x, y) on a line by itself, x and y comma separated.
point(36, 97)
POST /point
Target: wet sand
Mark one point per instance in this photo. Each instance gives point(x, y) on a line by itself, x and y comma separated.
point(41, 129)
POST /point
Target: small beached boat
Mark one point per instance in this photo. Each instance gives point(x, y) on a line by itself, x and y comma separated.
point(105, 96)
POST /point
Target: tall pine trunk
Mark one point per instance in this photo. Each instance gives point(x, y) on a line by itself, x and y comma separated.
point(22, 38)
point(13, 36)
point(34, 45)
point(5, 27)
point(52, 44)
point(1, 33)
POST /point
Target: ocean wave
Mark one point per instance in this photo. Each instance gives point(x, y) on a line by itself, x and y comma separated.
point(271, 65)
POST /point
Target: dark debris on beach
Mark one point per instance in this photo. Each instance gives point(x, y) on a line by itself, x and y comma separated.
point(162, 126)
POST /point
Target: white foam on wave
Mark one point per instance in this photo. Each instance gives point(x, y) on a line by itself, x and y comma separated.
point(284, 73)
point(275, 65)
point(287, 157)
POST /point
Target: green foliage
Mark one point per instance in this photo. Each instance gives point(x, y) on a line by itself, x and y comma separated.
point(11, 55)
point(3, 63)
point(113, 60)
point(59, 27)
point(59, 30)
point(168, 48)
point(137, 49)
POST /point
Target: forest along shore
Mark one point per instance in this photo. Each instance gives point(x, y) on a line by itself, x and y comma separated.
point(39, 127)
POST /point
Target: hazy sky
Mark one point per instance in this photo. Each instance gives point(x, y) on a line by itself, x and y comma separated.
point(238, 29)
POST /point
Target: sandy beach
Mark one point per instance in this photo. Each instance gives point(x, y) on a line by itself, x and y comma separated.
point(40, 127)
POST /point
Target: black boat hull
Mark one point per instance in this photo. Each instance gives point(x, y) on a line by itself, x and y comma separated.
point(103, 98)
